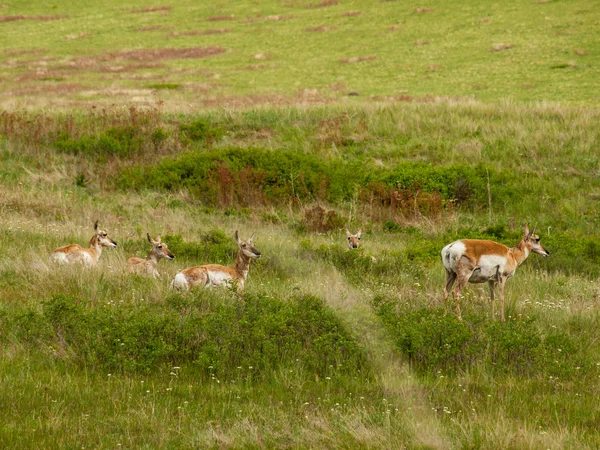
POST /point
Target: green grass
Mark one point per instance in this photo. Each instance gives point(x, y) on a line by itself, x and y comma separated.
point(287, 52)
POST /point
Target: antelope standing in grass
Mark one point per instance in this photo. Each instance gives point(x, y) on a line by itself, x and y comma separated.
point(218, 275)
point(478, 261)
point(74, 253)
point(148, 266)
point(353, 239)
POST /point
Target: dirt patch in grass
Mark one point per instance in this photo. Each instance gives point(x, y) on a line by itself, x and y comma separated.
point(157, 54)
point(501, 47)
point(130, 68)
point(71, 37)
point(357, 59)
point(323, 4)
point(154, 28)
point(422, 10)
point(419, 43)
point(18, 52)
point(40, 18)
point(56, 89)
point(351, 13)
point(275, 18)
point(221, 17)
point(152, 9)
point(305, 96)
point(320, 29)
point(200, 32)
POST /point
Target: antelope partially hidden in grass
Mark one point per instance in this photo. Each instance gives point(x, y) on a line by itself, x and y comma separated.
point(478, 261)
point(218, 275)
point(148, 266)
point(353, 239)
point(74, 253)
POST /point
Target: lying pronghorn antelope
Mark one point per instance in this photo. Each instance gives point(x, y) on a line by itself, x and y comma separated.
point(353, 239)
point(148, 266)
point(74, 253)
point(217, 275)
point(478, 261)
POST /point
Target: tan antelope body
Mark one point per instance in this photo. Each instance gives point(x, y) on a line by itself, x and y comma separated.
point(353, 239)
point(74, 253)
point(480, 261)
point(148, 266)
point(217, 275)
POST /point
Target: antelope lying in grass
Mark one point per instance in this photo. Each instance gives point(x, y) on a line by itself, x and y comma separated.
point(353, 239)
point(74, 253)
point(148, 266)
point(478, 261)
point(217, 275)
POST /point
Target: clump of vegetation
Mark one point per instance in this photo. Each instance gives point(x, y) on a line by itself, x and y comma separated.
point(200, 331)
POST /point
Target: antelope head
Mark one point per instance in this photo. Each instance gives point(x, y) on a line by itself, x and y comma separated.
point(159, 248)
point(247, 247)
point(353, 239)
point(532, 242)
point(102, 238)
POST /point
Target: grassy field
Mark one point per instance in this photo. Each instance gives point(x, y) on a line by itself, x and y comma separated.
point(190, 54)
point(196, 119)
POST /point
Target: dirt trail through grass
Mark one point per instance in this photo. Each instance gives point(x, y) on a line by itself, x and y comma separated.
point(401, 387)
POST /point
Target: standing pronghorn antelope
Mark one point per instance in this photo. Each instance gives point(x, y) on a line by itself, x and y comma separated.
point(217, 275)
point(148, 266)
point(353, 239)
point(478, 261)
point(74, 253)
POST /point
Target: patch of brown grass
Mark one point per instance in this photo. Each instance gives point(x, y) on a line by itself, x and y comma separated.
point(357, 59)
point(580, 52)
point(262, 56)
point(351, 13)
point(320, 29)
point(433, 68)
point(40, 18)
point(420, 42)
point(323, 4)
point(501, 47)
point(422, 10)
point(221, 17)
point(154, 28)
point(200, 32)
point(394, 28)
point(275, 18)
point(152, 9)
point(155, 54)
point(70, 37)
point(57, 89)
point(19, 52)
point(317, 218)
point(130, 67)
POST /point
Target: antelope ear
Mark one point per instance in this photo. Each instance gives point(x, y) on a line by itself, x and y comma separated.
point(251, 239)
point(359, 233)
point(237, 237)
point(158, 238)
point(96, 226)
point(526, 230)
point(348, 234)
point(149, 238)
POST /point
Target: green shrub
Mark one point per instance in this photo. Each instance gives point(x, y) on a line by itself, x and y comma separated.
point(122, 142)
point(199, 330)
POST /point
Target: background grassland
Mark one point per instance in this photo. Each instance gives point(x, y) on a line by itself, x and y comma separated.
point(74, 53)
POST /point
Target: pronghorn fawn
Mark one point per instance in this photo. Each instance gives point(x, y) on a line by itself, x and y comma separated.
point(217, 275)
point(74, 253)
point(148, 266)
point(478, 261)
point(353, 239)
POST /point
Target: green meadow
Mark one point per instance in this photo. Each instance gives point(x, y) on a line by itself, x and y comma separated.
point(194, 120)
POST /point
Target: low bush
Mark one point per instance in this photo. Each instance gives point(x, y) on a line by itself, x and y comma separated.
point(206, 333)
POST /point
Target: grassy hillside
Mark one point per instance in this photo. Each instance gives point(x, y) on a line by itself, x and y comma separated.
point(245, 53)
point(327, 348)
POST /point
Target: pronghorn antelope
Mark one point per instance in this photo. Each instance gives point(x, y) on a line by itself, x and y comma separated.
point(74, 253)
point(353, 239)
point(217, 275)
point(478, 261)
point(148, 266)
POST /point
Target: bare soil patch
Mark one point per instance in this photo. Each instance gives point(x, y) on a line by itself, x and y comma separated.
point(200, 32)
point(70, 37)
point(501, 47)
point(40, 18)
point(357, 59)
point(158, 54)
point(154, 28)
point(152, 9)
point(221, 17)
point(320, 29)
point(351, 13)
point(323, 4)
point(422, 10)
